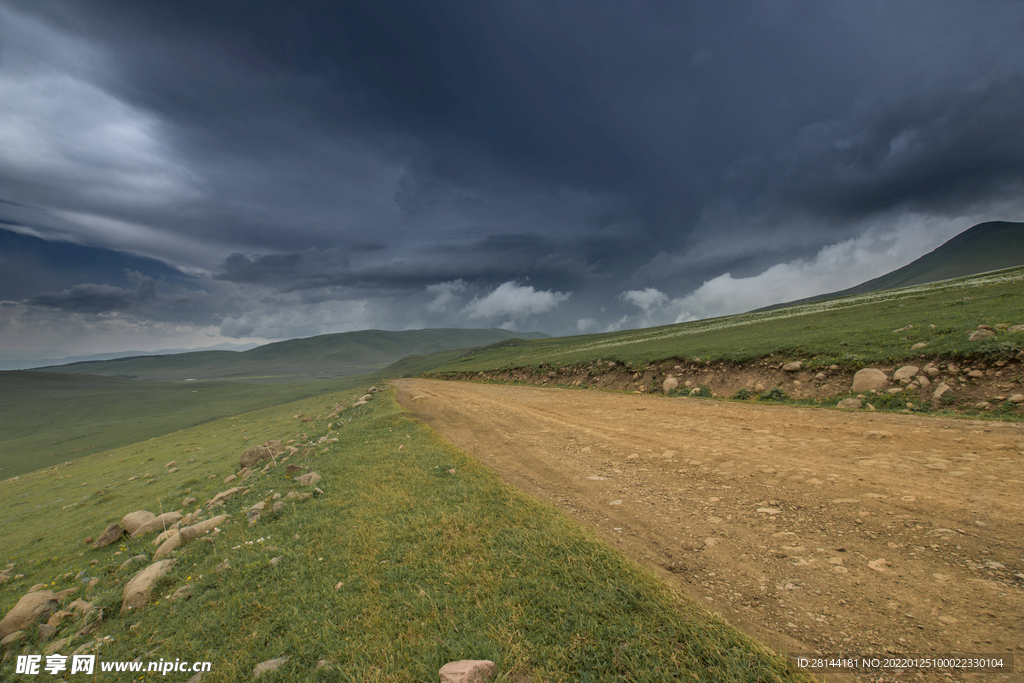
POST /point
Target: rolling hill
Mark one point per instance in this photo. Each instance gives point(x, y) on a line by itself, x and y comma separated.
point(321, 357)
point(983, 248)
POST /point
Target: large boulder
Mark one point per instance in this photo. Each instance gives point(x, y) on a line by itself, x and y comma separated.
point(254, 455)
point(310, 479)
point(669, 384)
point(222, 496)
point(978, 335)
point(109, 535)
point(793, 366)
point(31, 608)
point(133, 520)
point(161, 523)
point(869, 379)
point(137, 591)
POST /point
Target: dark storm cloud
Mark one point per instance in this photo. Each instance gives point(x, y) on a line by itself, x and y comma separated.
point(320, 151)
point(92, 298)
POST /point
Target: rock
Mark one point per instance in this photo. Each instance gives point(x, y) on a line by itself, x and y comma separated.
point(869, 379)
point(1016, 398)
point(222, 496)
point(172, 541)
point(31, 608)
point(793, 366)
point(976, 374)
point(918, 345)
point(198, 678)
point(983, 405)
point(468, 671)
point(172, 470)
point(310, 479)
point(254, 455)
point(894, 390)
point(269, 665)
point(907, 372)
point(109, 535)
point(759, 388)
point(46, 631)
point(932, 371)
point(133, 520)
point(941, 390)
point(37, 587)
point(253, 517)
point(222, 567)
point(293, 469)
point(669, 384)
point(188, 501)
point(278, 506)
point(366, 397)
point(276, 561)
point(12, 639)
point(850, 403)
point(81, 606)
point(191, 533)
point(879, 565)
point(131, 560)
point(161, 523)
point(230, 478)
point(820, 376)
point(183, 593)
point(978, 335)
point(923, 380)
point(137, 591)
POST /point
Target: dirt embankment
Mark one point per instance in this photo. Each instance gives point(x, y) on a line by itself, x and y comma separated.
point(992, 382)
point(810, 529)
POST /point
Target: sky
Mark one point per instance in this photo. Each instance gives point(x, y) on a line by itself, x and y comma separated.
point(199, 172)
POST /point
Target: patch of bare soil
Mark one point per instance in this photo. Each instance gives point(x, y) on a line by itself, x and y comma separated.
point(812, 530)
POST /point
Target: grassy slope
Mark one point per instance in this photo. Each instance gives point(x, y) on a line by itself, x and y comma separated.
point(49, 418)
point(852, 331)
point(324, 356)
point(983, 248)
point(397, 569)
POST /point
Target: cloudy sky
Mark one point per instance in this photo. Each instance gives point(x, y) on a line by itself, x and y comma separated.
point(189, 173)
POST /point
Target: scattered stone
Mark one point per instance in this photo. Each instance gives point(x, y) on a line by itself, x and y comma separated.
point(31, 608)
point(183, 593)
point(878, 565)
point(918, 345)
point(468, 671)
point(769, 511)
point(223, 566)
point(669, 384)
point(978, 335)
point(820, 376)
point(793, 366)
point(269, 665)
point(276, 561)
point(222, 496)
point(37, 587)
point(894, 390)
point(46, 632)
point(12, 639)
point(759, 387)
point(254, 455)
point(137, 591)
point(1016, 398)
point(907, 372)
point(133, 520)
point(294, 469)
point(198, 678)
point(278, 506)
point(923, 380)
point(172, 470)
point(903, 329)
point(983, 405)
point(253, 517)
point(869, 379)
point(188, 501)
point(161, 523)
point(850, 403)
point(109, 535)
point(309, 479)
point(941, 391)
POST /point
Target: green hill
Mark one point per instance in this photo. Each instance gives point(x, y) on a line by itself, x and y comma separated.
point(983, 248)
point(320, 357)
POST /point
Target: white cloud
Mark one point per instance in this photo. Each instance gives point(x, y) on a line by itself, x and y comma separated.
point(445, 292)
point(301, 320)
point(645, 299)
point(517, 301)
point(586, 325)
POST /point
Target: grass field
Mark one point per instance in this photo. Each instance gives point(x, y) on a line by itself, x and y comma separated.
point(400, 566)
point(851, 331)
point(49, 418)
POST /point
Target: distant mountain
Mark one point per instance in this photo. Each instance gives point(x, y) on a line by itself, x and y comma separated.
point(22, 360)
point(985, 247)
point(324, 356)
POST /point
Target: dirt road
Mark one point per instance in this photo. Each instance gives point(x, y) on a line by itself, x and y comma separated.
point(810, 529)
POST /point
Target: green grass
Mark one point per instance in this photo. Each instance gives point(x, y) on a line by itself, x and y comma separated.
point(400, 567)
point(49, 418)
point(320, 357)
point(852, 332)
